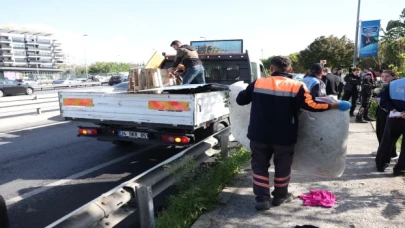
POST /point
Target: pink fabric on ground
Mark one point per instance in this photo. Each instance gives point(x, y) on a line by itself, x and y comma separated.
point(319, 198)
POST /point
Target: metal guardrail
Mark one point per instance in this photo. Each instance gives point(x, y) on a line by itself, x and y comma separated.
point(20, 105)
point(137, 194)
point(57, 86)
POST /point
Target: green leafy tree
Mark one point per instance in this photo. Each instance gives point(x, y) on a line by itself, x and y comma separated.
point(337, 51)
point(393, 43)
point(108, 67)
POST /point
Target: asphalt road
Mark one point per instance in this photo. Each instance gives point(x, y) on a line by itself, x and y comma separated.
point(48, 172)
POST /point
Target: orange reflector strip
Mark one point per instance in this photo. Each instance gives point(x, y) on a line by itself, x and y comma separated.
point(78, 102)
point(169, 106)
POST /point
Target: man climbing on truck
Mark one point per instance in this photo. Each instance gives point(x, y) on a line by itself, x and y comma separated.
point(188, 55)
point(273, 127)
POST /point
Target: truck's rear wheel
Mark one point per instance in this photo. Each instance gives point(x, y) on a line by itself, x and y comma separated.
point(122, 143)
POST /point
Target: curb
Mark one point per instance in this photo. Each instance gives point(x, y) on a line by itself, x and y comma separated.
point(206, 219)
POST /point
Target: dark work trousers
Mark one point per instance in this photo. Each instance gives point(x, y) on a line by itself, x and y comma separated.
point(394, 128)
point(351, 94)
point(380, 126)
point(261, 156)
point(365, 105)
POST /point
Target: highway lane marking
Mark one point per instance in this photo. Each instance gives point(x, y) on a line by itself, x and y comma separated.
point(36, 127)
point(73, 177)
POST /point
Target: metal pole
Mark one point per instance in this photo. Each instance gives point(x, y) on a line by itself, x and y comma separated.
point(356, 39)
point(85, 61)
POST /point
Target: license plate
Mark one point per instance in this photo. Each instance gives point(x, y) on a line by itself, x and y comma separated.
point(132, 134)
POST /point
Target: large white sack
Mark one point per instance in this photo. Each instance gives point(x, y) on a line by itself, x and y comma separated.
point(322, 137)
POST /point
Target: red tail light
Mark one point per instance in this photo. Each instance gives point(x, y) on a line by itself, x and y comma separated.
point(87, 131)
point(175, 139)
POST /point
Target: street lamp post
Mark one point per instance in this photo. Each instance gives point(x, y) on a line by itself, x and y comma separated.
point(85, 61)
point(356, 39)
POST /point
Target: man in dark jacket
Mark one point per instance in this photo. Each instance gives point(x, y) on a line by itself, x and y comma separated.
point(367, 87)
point(273, 127)
point(392, 99)
point(188, 55)
point(350, 89)
point(334, 84)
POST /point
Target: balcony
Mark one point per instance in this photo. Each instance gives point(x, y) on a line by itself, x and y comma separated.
point(18, 40)
point(21, 54)
point(21, 63)
point(4, 41)
point(19, 48)
point(44, 49)
point(44, 56)
point(6, 61)
point(3, 47)
point(57, 44)
point(57, 50)
point(59, 62)
point(6, 54)
point(32, 42)
point(43, 45)
point(20, 60)
point(31, 48)
point(44, 41)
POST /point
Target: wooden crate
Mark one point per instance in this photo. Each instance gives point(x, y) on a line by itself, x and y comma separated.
point(143, 79)
point(134, 81)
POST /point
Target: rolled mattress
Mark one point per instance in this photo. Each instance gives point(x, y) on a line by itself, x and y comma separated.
point(322, 137)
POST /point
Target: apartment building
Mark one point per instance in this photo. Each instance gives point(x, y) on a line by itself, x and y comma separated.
point(29, 55)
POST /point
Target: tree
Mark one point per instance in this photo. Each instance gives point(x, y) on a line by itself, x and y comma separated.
point(108, 67)
point(393, 42)
point(338, 52)
point(295, 63)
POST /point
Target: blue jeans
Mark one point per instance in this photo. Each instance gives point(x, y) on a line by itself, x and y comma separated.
point(194, 75)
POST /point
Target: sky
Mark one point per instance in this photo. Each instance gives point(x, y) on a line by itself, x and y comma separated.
point(131, 30)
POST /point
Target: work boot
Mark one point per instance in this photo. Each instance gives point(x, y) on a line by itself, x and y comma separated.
point(366, 117)
point(360, 120)
point(278, 201)
point(382, 168)
point(398, 172)
point(262, 206)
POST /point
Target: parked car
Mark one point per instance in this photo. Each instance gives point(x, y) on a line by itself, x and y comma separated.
point(121, 87)
point(298, 77)
point(29, 81)
point(68, 81)
point(10, 87)
point(117, 79)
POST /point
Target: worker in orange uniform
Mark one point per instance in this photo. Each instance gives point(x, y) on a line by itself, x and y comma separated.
point(276, 101)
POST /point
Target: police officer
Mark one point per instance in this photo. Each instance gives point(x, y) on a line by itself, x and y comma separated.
point(382, 114)
point(392, 99)
point(314, 81)
point(350, 89)
point(276, 101)
point(367, 87)
point(188, 55)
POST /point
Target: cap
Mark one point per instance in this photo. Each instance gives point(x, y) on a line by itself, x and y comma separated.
point(315, 68)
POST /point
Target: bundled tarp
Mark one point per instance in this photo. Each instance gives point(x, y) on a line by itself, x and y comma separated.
point(322, 137)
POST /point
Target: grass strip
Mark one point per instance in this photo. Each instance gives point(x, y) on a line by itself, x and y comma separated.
point(199, 189)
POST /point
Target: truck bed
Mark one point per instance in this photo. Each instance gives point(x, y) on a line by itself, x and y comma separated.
point(187, 110)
